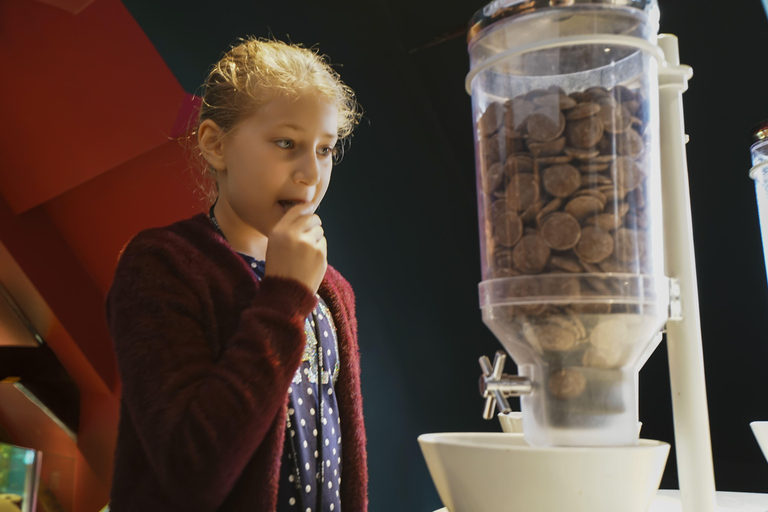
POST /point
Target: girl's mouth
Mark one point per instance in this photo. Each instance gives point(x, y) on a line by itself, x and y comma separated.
point(287, 204)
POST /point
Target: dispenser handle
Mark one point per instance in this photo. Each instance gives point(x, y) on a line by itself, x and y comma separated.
point(496, 386)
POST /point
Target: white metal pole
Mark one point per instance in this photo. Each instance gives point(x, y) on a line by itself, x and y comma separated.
point(686, 359)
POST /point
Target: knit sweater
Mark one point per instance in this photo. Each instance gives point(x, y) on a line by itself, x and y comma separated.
point(206, 354)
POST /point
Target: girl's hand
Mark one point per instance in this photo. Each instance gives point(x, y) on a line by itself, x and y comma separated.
point(297, 248)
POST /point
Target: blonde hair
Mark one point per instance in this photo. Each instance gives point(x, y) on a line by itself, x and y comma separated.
point(255, 71)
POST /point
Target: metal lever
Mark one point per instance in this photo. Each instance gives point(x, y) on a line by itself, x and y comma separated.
point(496, 386)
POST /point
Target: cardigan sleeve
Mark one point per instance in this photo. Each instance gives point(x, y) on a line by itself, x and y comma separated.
point(200, 419)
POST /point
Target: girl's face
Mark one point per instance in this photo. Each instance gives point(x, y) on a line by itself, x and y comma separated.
point(277, 157)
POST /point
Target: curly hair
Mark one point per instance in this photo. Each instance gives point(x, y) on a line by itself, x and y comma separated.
point(255, 71)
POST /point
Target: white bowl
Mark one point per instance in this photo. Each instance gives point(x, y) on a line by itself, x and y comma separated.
point(760, 429)
point(499, 472)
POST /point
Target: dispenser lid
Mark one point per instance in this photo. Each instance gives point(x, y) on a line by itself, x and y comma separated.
point(500, 9)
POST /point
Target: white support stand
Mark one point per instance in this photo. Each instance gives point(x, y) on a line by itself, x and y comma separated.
point(686, 359)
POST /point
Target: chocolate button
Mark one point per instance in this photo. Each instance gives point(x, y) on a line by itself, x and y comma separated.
point(605, 221)
point(490, 150)
point(626, 173)
point(594, 246)
point(630, 143)
point(554, 338)
point(549, 148)
point(584, 133)
point(615, 118)
point(622, 94)
point(582, 154)
point(584, 206)
point(567, 383)
point(507, 229)
point(491, 120)
point(531, 254)
point(567, 264)
point(522, 191)
point(561, 231)
point(498, 207)
point(627, 245)
point(582, 110)
point(595, 180)
point(516, 164)
point(532, 211)
point(494, 177)
point(546, 124)
point(561, 180)
point(518, 111)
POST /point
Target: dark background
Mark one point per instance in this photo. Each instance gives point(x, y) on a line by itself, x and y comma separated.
point(401, 223)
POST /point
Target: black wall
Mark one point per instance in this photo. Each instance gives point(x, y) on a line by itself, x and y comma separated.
point(401, 225)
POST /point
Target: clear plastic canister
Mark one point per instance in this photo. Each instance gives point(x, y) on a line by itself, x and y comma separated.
point(759, 173)
point(565, 109)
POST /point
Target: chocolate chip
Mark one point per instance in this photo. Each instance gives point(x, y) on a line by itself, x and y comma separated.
point(530, 213)
point(494, 177)
point(620, 208)
point(595, 245)
point(549, 148)
point(498, 207)
point(491, 150)
point(567, 383)
point(561, 180)
point(615, 118)
point(582, 154)
point(630, 143)
point(623, 94)
point(626, 173)
point(531, 254)
point(516, 164)
point(567, 264)
point(491, 120)
point(507, 229)
point(627, 245)
point(582, 110)
point(502, 258)
point(518, 111)
point(546, 124)
point(561, 231)
point(605, 221)
point(553, 337)
point(592, 168)
point(552, 160)
point(584, 206)
point(584, 133)
point(595, 180)
point(522, 191)
point(592, 192)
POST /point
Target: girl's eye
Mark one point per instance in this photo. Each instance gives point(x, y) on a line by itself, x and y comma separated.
point(285, 144)
point(326, 151)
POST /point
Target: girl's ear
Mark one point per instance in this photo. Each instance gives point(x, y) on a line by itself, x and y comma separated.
point(210, 142)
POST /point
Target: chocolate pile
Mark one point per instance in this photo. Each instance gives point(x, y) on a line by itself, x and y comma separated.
point(564, 192)
point(565, 182)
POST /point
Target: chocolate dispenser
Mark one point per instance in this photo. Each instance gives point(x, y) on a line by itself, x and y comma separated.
point(574, 158)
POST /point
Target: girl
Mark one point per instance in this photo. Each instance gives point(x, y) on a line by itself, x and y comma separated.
point(236, 342)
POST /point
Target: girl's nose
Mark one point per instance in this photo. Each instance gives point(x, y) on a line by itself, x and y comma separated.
point(309, 170)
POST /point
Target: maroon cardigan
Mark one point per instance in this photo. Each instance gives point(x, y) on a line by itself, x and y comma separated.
point(206, 355)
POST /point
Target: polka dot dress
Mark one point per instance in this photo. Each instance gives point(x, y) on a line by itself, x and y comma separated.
point(310, 473)
point(310, 470)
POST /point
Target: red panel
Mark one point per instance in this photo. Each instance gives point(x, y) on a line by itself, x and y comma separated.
point(98, 218)
point(84, 93)
point(73, 6)
point(44, 256)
